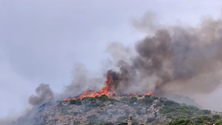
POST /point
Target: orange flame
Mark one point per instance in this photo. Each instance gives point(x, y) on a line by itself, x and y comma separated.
point(149, 93)
point(107, 90)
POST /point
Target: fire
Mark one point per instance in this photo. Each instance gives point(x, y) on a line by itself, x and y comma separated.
point(107, 90)
point(149, 93)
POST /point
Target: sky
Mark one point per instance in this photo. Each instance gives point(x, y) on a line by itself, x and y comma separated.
point(41, 41)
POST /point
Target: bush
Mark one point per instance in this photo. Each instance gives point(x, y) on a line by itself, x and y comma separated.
point(92, 118)
point(218, 123)
point(147, 101)
point(199, 120)
point(139, 112)
point(135, 122)
point(76, 102)
point(104, 113)
point(216, 116)
point(207, 118)
point(133, 99)
point(169, 103)
point(149, 120)
point(154, 97)
point(147, 96)
point(205, 112)
point(108, 123)
point(112, 100)
point(180, 122)
point(158, 104)
point(104, 98)
point(90, 99)
point(72, 101)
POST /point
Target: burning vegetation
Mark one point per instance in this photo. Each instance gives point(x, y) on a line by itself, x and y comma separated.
point(174, 59)
point(111, 84)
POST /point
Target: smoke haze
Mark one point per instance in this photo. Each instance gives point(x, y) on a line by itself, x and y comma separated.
point(178, 59)
point(44, 94)
point(171, 59)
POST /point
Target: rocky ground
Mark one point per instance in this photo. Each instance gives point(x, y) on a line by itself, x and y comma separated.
point(104, 110)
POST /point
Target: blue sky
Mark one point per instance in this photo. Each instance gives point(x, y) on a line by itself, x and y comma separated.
point(40, 41)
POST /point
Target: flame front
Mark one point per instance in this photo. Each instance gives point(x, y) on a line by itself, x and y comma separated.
point(107, 90)
point(149, 93)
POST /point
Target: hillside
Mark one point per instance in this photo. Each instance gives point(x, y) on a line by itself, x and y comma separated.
point(108, 111)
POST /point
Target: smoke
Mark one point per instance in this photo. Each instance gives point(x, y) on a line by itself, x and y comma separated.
point(82, 80)
point(149, 23)
point(175, 59)
point(44, 94)
point(171, 59)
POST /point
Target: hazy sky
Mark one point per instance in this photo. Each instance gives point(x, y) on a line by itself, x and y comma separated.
point(40, 41)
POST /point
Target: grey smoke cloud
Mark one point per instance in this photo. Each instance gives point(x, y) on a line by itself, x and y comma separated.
point(82, 80)
point(44, 94)
point(177, 58)
point(48, 12)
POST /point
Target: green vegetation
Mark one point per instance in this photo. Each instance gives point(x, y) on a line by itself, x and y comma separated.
point(149, 120)
point(133, 99)
point(162, 110)
point(93, 119)
point(76, 102)
point(147, 100)
point(174, 110)
point(104, 98)
point(197, 121)
point(135, 122)
point(108, 123)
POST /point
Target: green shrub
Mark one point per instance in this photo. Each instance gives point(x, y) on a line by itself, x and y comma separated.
point(122, 119)
point(216, 116)
point(92, 118)
point(199, 120)
point(154, 97)
point(104, 98)
point(112, 100)
point(149, 120)
point(108, 123)
point(139, 112)
point(205, 112)
point(91, 100)
point(158, 104)
point(218, 123)
point(133, 99)
point(72, 101)
point(180, 122)
point(135, 122)
point(104, 113)
point(207, 118)
point(169, 103)
point(147, 101)
point(147, 96)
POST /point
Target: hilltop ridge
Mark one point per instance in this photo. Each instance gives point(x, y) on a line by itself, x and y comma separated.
point(113, 111)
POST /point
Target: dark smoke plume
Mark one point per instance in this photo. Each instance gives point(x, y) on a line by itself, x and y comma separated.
point(173, 59)
point(44, 94)
point(177, 59)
